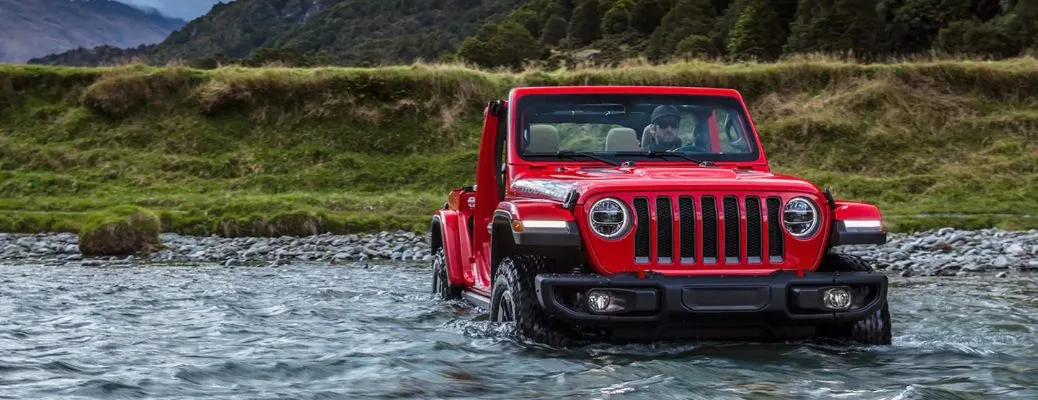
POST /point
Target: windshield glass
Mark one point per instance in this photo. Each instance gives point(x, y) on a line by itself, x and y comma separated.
point(619, 126)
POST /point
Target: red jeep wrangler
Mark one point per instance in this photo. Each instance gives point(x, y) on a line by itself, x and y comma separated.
point(647, 213)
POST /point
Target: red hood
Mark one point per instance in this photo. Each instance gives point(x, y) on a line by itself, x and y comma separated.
point(589, 181)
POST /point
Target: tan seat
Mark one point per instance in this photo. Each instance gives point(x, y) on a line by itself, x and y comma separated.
point(621, 139)
point(543, 139)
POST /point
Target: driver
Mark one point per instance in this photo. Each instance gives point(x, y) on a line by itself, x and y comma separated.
point(662, 133)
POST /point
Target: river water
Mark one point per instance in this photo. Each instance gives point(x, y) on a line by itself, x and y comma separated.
point(315, 331)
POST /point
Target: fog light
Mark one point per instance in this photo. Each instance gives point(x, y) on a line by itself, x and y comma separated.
point(603, 301)
point(838, 298)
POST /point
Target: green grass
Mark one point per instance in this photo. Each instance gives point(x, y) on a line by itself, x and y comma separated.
point(276, 151)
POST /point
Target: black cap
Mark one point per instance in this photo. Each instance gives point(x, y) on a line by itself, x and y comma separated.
point(665, 111)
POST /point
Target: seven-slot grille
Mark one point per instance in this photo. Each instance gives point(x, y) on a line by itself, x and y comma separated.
point(719, 234)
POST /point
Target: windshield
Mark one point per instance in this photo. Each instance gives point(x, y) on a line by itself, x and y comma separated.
point(623, 126)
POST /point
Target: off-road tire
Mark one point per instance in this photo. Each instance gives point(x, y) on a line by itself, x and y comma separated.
point(441, 286)
point(514, 298)
point(874, 330)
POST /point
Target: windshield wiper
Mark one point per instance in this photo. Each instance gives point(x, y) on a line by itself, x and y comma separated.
point(660, 154)
point(572, 154)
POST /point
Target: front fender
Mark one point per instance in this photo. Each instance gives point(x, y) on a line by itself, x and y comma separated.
point(450, 240)
point(538, 223)
point(856, 223)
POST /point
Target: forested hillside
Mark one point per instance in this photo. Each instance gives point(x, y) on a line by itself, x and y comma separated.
point(867, 30)
point(325, 31)
point(493, 33)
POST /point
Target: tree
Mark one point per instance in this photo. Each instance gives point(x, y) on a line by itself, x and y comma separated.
point(585, 23)
point(1025, 23)
point(564, 8)
point(615, 20)
point(554, 30)
point(694, 46)
point(974, 38)
point(506, 44)
point(529, 20)
point(687, 18)
point(917, 22)
point(835, 26)
point(812, 24)
point(720, 6)
point(646, 15)
point(753, 36)
point(986, 10)
point(723, 25)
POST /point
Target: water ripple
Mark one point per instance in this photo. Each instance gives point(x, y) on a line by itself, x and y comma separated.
point(324, 331)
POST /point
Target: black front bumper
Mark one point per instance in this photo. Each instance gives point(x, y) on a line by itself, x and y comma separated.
point(778, 299)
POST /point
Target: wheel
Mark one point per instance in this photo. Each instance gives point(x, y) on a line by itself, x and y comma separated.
point(875, 329)
point(441, 287)
point(514, 299)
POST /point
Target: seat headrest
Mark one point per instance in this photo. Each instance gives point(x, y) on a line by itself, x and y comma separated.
point(621, 139)
point(543, 139)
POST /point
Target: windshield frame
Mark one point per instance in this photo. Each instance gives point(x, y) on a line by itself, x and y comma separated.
point(523, 103)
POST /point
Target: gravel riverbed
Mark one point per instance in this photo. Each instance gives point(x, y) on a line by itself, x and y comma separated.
point(944, 252)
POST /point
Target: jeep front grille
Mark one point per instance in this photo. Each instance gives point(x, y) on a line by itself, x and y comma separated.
point(641, 236)
point(715, 235)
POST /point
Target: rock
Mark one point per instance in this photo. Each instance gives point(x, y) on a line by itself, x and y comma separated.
point(1001, 262)
point(133, 233)
point(1016, 250)
point(1002, 274)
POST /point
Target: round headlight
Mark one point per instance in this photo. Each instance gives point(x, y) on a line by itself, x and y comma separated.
point(800, 217)
point(609, 218)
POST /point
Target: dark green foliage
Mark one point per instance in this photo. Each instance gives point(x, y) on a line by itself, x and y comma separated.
point(720, 6)
point(916, 23)
point(695, 46)
point(646, 15)
point(529, 20)
point(986, 10)
point(836, 26)
point(724, 24)
point(786, 10)
point(753, 35)
point(976, 39)
point(616, 19)
point(687, 18)
point(1025, 23)
point(500, 44)
point(554, 30)
point(584, 25)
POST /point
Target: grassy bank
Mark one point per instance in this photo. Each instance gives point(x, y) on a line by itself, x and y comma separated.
point(295, 151)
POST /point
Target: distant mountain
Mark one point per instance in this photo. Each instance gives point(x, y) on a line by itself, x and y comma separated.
point(34, 28)
point(340, 31)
